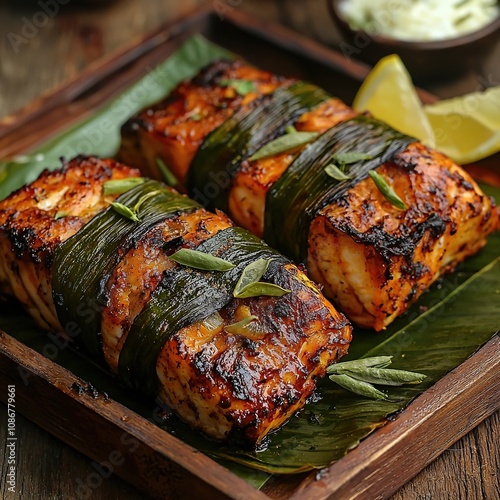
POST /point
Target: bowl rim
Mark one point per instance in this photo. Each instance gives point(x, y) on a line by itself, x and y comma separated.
point(459, 41)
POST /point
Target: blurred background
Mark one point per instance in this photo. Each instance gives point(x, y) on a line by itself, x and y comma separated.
point(45, 42)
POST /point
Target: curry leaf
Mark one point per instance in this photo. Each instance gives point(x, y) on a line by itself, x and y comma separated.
point(335, 172)
point(284, 143)
point(120, 186)
point(357, 386)
point(387, 190)
point(125, 211)
point(259, 289)
point(201, 260)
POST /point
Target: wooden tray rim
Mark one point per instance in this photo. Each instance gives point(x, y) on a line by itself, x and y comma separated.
point(357, 474)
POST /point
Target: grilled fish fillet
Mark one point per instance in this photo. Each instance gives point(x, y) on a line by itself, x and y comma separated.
point(373, 260)
point(225, 384)
point(174, 128)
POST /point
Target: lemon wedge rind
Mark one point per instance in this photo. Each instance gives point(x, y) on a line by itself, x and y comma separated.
point(388, 93)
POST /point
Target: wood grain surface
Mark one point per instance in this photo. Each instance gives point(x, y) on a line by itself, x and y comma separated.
point(60, 47)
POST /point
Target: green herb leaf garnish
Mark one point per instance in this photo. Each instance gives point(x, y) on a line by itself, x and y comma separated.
point(133, 213)
point(357, 376)
point(125, 211)
point(249, 284)
point(242, 87)
point(166, 173)
point(387, 191)
point(237, 327)
point(260, 289)
point(357, 386)
point(335, 172)
point(201, 260)
point(385, 376)
point(60, 215)
point(377, 361)
point(120, 186)
point(337, 169)
point(284, 143)
point(252, 273)
point(196, 117)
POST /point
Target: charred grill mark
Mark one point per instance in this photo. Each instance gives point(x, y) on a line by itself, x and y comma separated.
point(151, 239)
point(262, 380)
point(403, 244)
point(24, 241)
point(31, 233)
point(406, 162)
point(203, 360)
point(414, 270)
point(281, 309)
point(238, 375)
point(254, 178)
point(441, 197)
point(144, 268)
point(208, 76)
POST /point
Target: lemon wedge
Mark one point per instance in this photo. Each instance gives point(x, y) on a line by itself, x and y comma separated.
point(388, 93)
point(467, 128)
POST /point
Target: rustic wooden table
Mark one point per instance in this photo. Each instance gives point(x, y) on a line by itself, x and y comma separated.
point(39, 49)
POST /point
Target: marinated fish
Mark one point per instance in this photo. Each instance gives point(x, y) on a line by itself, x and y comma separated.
point(373, 258)
point(95, 264)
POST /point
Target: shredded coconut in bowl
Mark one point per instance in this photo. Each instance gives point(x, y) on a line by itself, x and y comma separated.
point(419, 20)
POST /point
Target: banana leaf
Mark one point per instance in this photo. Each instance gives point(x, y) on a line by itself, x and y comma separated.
point(97, 247)
point(304, 189)
point(447, 325)
point(185, 296)
point(221, 154)
point(100, 133)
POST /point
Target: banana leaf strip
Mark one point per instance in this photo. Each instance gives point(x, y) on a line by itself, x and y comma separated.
point(84, 263)
point(187, 295)
point(305, 188)
point(240, 136)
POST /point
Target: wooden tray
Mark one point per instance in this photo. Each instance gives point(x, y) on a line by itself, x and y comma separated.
point(136, 449)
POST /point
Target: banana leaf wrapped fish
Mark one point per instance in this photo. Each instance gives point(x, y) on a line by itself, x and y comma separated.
point(297, 166)
point(89, 252)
